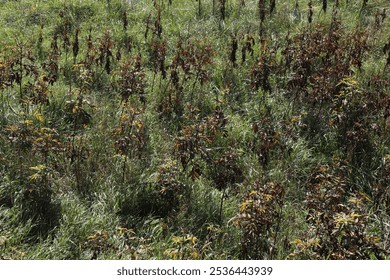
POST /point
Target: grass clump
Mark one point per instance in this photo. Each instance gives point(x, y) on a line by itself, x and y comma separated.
point(194, 130)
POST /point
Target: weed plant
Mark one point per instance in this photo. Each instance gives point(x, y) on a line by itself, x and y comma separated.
point(242, 129)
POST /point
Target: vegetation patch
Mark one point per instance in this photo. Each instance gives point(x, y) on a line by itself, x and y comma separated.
point(242, 129)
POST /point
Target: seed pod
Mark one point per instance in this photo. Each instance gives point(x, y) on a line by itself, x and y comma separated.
point(125, 21)
point(118, 55)
point(223, 9)
point(272, 6)
point(157, 23)
point(76, 44)
point(310, 16)
point(147, 26)
point(233, 54)
point(262, 10)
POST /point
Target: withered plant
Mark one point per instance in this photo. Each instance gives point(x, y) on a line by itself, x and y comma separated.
point(200, 142)
point(262, 69)
point(163, 194)
point(319, 60)
point(272, 7)
point(130, 135)
point(75, 46)
point(222, 7)
point(158, 51)
point(37, 92)
point(262, 12)
point(194, 140)
point(386, 49)
point(64, 30)
point(200, 7)
point(78, 115)
point(34, 172)
point(130, 80)
point(266, 141)
point(357, 115)
point(191, 60)
point(105, 52)
point(310, 12)
point(248, 42)
point(51, 66)
point(259, 219)
point(233, 54)
point(125, 20)
point(21, 65)
point(324, 5)
point(225, 171)
point(338, 220)
point(157, 25)
point(40, 51)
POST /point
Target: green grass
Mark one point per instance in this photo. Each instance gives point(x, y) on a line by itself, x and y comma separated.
point(80, 197)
